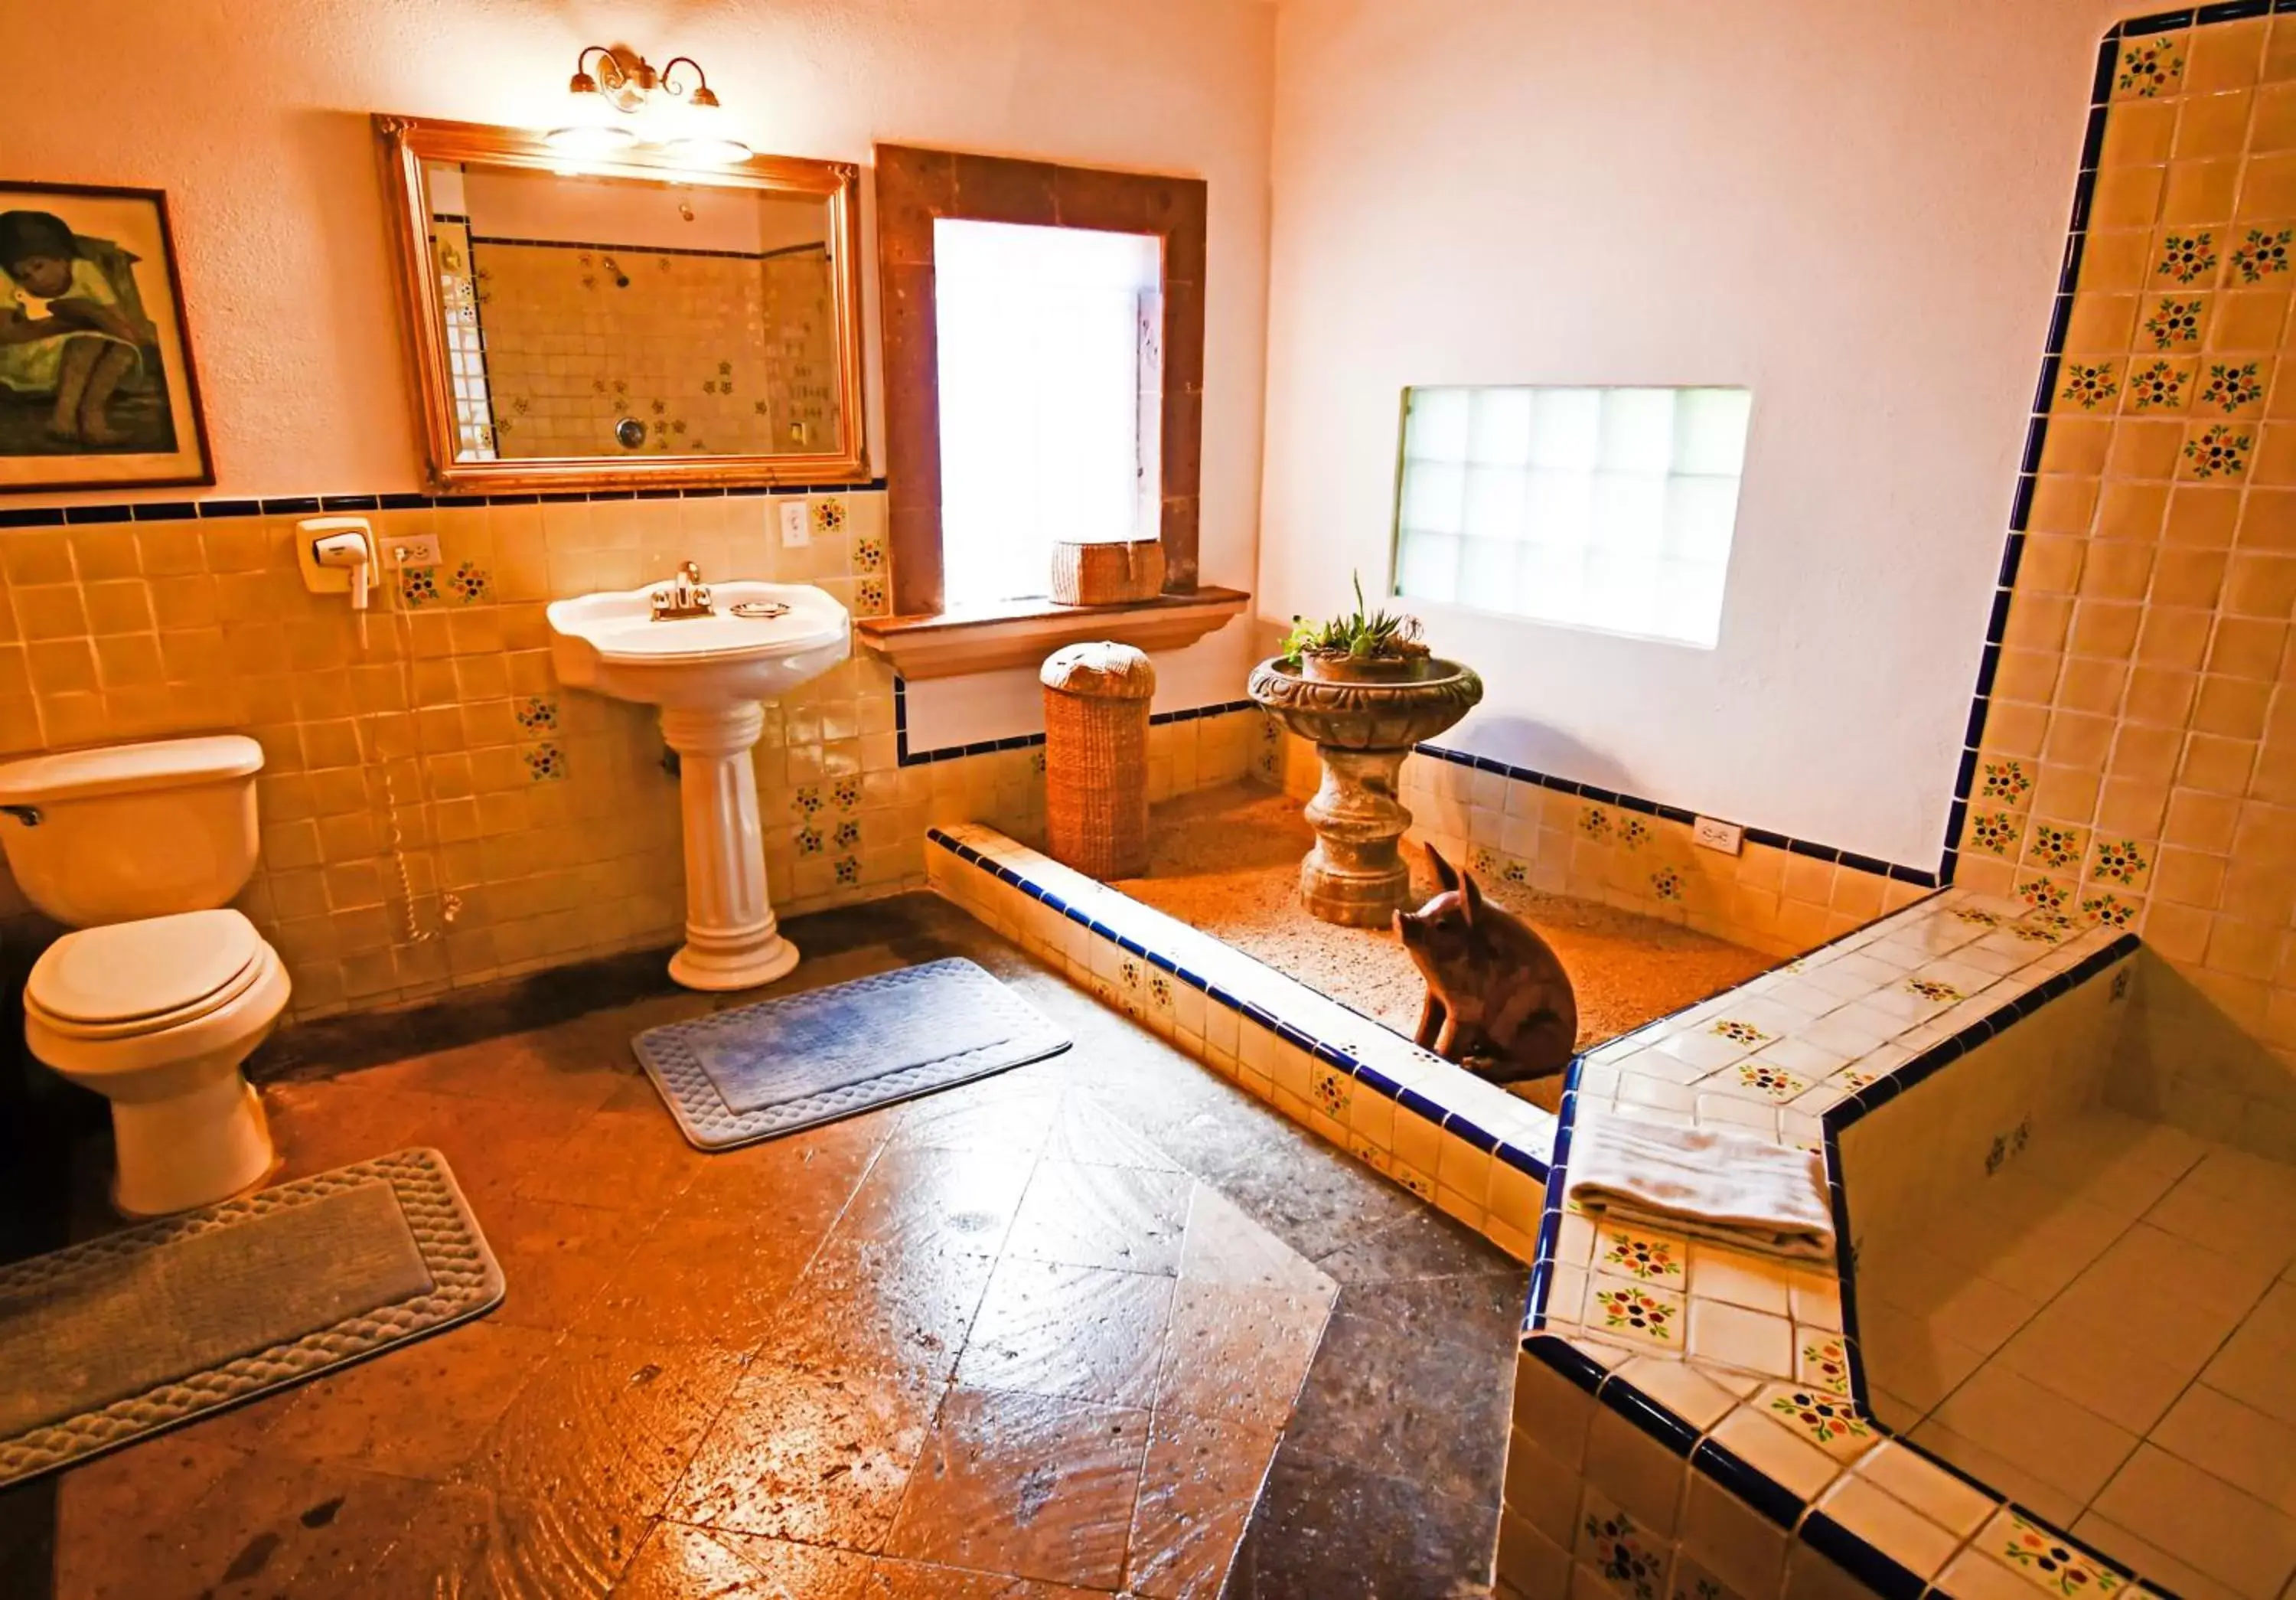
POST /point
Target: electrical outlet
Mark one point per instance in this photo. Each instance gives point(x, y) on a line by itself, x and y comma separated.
point(410, 550)
point(1727, 837)
point(796, 527)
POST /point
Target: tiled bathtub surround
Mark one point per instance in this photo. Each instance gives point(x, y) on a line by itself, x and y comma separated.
point(1779, 895)
point(2133, 753)
point(1688, 1418)
point(545, 819)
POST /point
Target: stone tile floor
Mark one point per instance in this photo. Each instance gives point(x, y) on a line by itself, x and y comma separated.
point(1099, 1324)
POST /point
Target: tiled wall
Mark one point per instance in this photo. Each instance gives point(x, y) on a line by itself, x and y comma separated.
point(547, 815)
point(1778, 896)
point(2136, 762)
point(707, 351)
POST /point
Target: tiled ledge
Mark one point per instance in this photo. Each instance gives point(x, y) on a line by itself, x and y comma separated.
point(1469, 1147)
point(1712, 1400)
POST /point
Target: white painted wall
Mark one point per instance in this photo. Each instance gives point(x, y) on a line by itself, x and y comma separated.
point(253, 115)
point(1856, 210)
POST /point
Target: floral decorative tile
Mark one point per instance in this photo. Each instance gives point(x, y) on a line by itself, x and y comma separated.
point(1629, 1559)
point(1483, 863)
point(1651, 1258)
point(806, 798)
point(2042, 930)
point(1639, 1312)
point(2262, 254)
point(1854, 1079)
point(2044, 894)
point(2186, 257)
point(847, 792)
point(1930, 988)
point(545, 763)
point(828, 513)
point(2232, 387)
point(2055, 845)
point(1825, 1418)
point(2088, 384)
point(2174, 325)
point(868, 554)
point(1594, 823)
point(2159, 385)
point(847, 870)
point(1976, 917)
point(1771, 1082)
point(1037, 762)
point(418, 586)
point(1739, 1033)
point(2120, 982)
point(1516, 872)
point(470, 585)
point(1824, 1363)
point(869, 597)
point(1993, 832)
point(2217, 451)
point(1332, 1089)
point(2110, 910)
point(810, 841)
point(2051, 1560)
point(2004, 780)
point(1666, 883)
point(1160, 991)
point(1694, 1582)
point(536, 713)
point(1633, 832)
point(847, 834)
point(2121, 861)
point(1130, 971)
point(2149, 66)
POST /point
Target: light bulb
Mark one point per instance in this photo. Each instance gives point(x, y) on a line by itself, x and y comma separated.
point(700, 136)
point(591, 128)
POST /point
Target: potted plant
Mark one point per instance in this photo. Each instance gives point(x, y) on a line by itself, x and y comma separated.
point(1376, 647)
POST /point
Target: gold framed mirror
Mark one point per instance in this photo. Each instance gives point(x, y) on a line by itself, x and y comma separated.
point(625, 321)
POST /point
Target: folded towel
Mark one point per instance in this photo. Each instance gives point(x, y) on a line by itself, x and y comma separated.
point(1723, 1185)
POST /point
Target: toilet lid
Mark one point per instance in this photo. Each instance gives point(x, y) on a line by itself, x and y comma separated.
point(125, 971)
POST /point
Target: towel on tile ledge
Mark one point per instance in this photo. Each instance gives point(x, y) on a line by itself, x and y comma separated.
point(1722, 1185)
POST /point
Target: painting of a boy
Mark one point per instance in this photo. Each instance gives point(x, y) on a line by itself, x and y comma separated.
point(93, 385)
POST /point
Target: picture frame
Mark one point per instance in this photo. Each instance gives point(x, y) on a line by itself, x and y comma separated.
point(98, 388)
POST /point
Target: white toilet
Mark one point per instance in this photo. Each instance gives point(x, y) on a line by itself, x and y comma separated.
point(162, 993)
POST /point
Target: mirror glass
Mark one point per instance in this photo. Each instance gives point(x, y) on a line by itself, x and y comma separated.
point(611, 317)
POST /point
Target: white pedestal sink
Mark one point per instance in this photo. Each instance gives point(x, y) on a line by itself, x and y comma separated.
point(708, 675)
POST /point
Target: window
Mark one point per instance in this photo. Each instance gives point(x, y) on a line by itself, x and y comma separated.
point(1051, 386)
point(1609, 509)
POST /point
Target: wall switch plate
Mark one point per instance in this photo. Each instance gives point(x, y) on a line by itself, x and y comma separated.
point(795, 531)
point(1727, 837)
point(410, 550)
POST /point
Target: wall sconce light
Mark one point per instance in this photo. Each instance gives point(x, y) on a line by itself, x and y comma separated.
point(624, 83)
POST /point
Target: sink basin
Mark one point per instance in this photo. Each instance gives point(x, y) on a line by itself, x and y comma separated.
point(708, 674)
point(611, 644)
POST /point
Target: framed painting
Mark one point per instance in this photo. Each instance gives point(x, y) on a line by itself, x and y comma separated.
point(96, 386)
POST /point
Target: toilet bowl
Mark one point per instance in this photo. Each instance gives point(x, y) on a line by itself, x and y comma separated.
point(157, 1016)
point(161, 994)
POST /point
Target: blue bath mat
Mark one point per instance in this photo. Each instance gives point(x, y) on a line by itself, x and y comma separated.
point(740, 1076)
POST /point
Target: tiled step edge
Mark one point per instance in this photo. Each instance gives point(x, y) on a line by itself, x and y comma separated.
point(1468, 1146)
point(1668, 1445)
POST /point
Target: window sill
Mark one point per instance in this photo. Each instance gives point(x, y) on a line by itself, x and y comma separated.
point(1022, 633)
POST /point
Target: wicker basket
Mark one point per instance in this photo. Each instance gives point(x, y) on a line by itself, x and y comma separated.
point(1107, 574)
point(1096, 758)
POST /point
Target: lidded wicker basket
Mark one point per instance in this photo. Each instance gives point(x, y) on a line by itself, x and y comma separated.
point(1096, 758)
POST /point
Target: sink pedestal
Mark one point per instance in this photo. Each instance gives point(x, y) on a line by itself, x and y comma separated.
point(732, 939)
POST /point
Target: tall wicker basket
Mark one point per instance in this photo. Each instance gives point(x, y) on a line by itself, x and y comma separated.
point(1096, 758)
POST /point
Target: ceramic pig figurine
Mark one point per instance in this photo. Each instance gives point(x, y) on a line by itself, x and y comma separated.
point(1498, 1001)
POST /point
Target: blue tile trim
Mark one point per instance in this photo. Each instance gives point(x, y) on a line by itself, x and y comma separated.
point(1648, 1415)
point(1769, 1497)
point(304, 505)
point(907, 757)
point(1859, 1559)
point(1919, 875)
point(1450, 1122)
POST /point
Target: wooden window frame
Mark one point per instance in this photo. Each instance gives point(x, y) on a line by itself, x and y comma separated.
point(916, 187)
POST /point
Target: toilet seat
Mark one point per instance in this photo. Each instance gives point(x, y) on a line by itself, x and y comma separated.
point(126, 979)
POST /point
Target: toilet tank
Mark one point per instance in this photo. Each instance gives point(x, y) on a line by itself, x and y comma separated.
point(131, 831)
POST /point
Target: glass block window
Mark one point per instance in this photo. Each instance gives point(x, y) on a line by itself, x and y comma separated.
point(1601, 508)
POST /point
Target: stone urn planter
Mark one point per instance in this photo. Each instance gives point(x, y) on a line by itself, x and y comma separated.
point(1362, 728)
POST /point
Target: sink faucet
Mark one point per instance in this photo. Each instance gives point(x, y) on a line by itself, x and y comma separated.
point(683, 595)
